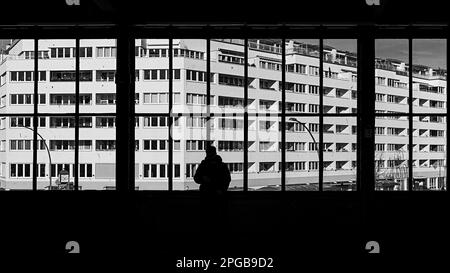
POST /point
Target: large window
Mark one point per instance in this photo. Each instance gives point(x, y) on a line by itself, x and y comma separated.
point(413, 135)
point(282, 113)
point(429, 74)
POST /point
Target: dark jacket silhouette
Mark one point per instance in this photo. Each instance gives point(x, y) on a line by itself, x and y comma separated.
point(212, 174)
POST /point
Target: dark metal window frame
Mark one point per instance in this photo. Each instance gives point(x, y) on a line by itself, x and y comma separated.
point(363, 34)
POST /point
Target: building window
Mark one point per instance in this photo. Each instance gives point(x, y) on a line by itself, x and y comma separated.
point(105, 99)
point(64, 76)
point(106, 52)
point(20, 122)
point(155, 121)
point(267, 166)
point(20, 170)
point(105, 145)
point(105, 75)
point(191, 169)
point(85, 170)
point(56, 169)
point(26, 76)
point(105, 122)
point(62, 122)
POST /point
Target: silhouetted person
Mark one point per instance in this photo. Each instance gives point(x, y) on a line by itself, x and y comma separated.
point(214, 179)
point(212, 174)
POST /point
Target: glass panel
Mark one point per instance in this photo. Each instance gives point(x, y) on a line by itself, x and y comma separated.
point(58, 70)
point(190, 119)
point(429, 76)
point(97, 156)
point(429, 147)
point(264, 93)
point(226, 124)
point(340, 76)
point(302, 153)
point(59, 136)
point(152, 84)
point(189, 57)
point(16, 93)
point(391, 76)
point(391, 153)
point(98, 95)
point(16, 135)
point(191, 133)
point(17, 77)
point(152, 150)
point(302, 75)
point(16, 153)
point(264, 169)
point(339, 157)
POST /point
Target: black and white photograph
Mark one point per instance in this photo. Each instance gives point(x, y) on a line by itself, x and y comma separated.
point(224, 136)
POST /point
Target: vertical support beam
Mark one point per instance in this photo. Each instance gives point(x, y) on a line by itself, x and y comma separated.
point(170, 165)
point(77, 112)
point(321, 113)
point(366, 113)
point(245, 115)
point(448, 115)
point(410, 118)
point(125, 147)
point(283, 114)
point(35, 113)
point(208, 89)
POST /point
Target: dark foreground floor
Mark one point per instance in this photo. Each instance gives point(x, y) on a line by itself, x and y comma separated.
point(154, 231)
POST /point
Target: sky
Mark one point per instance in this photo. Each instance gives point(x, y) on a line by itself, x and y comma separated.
point(429, 52)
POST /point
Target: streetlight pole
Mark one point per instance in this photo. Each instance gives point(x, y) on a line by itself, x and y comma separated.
point(309, 131)
point(48, 152)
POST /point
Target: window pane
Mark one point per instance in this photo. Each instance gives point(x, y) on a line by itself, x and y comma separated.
point(98, 95)
point(190, 122)
point(59, 137)
point(391, 153)
point(17, 88)
point(60, 86)
point(154, 86)
point(391, 76)
point(429, 157)
point(151, 161)
point(98, 154)
point(264, 93)
point(429, 76)
point(302, 75)
point(339, 77)
point(339, 153)
point(302, 153)
point(228, 77)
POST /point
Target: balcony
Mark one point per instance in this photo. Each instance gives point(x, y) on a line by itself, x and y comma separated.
point(264, 47)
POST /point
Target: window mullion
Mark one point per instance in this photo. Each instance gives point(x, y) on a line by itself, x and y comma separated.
point(410, 120)
point(35, 112)
point(171, 165)
point(245, 171)
point(77, 111)
point(321, 114)
point(283, 114)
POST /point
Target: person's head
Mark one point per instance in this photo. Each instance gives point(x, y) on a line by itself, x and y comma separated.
point(210, 151)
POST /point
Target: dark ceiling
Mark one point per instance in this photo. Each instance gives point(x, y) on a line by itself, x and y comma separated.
point(230, 11)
